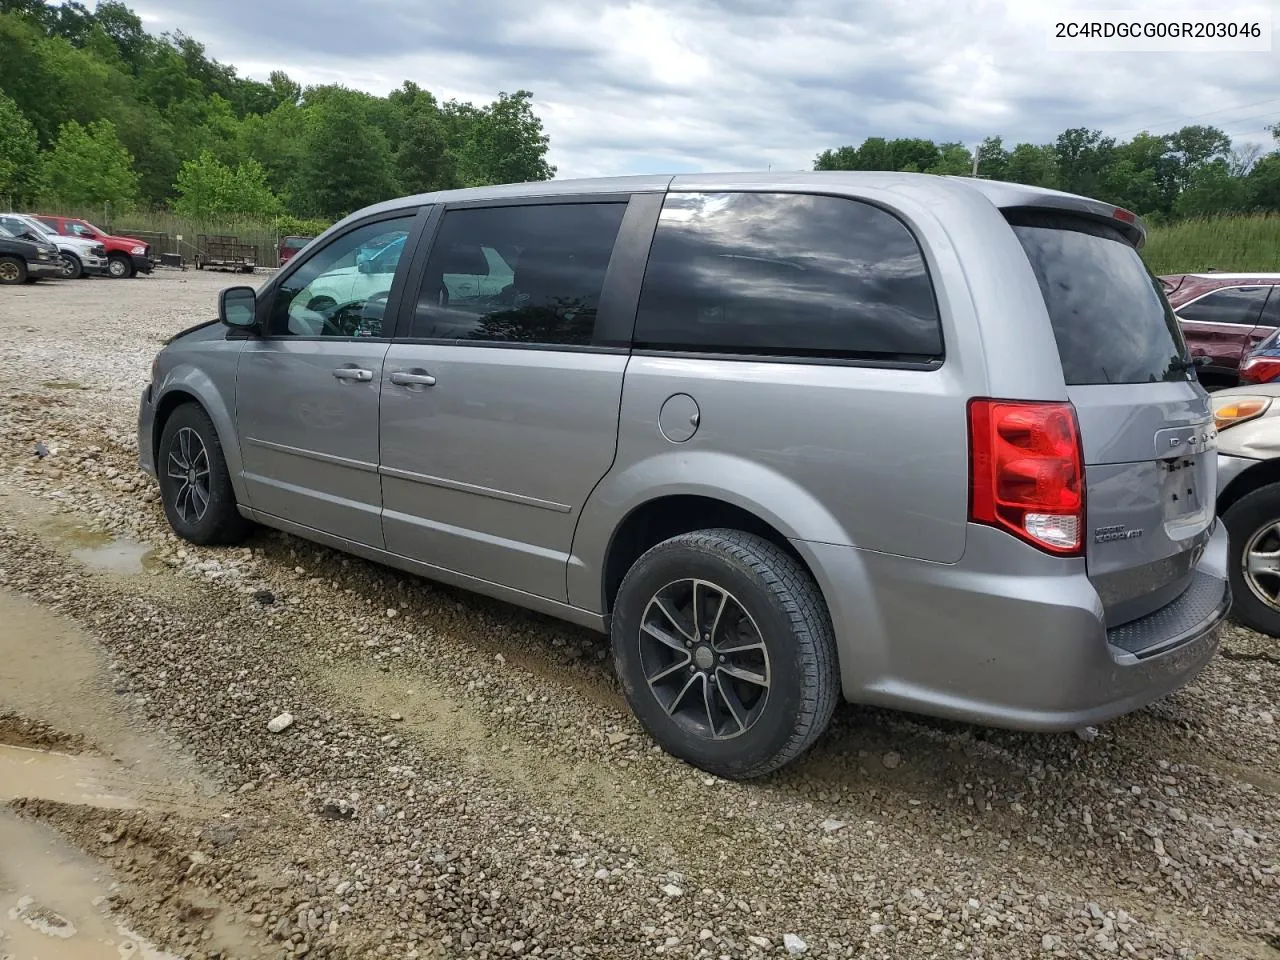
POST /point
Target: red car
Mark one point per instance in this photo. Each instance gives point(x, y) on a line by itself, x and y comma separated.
point(126, 256)
point(1223, 317)
point(291, 245)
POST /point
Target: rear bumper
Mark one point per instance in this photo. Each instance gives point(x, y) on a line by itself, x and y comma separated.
point(1027, 649)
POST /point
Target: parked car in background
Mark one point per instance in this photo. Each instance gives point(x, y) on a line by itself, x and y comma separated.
point(1223, 317)
point(1262, 363)
point(79, 257)
point(25, 261)
point(597, 398)
point(291, 245)
point(126, 256)
point(1248, 422)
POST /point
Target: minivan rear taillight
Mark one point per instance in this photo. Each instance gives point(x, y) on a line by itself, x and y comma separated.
point(1026, 472)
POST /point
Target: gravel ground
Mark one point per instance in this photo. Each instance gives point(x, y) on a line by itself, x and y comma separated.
point(463, 779)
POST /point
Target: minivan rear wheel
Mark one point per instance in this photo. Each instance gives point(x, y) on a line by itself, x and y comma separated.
point(1253, 533)
point(195, 486)
point(725, 652)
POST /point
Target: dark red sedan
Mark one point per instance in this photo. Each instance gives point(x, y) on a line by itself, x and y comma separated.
point(1224, 316)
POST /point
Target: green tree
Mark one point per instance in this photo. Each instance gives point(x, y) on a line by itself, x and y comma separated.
point(347, 162)
point(993, 159)
point(1212, 191)
point(90, 166)
point(1036, 166)
point(206, 187)
point(423, 160)
point(1083, 157)
point(954, 159)
point(506, 144)
point(1193, 148)
point(20, 167)
point(1262, 185)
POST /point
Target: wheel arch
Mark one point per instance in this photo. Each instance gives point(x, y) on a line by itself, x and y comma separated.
point(191, 385)
point(1262, 474)
point(649, 523)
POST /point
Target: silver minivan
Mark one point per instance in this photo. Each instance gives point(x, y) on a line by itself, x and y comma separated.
point(925, 442)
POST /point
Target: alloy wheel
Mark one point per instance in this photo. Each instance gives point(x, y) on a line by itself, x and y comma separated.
point(704, 659)
point(1262, 564)
point(9, 271)
point(188, 464)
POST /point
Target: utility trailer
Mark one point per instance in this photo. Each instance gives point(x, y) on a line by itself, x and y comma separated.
point(225, 253)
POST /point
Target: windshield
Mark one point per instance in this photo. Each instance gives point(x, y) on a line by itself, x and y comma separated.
point(1110, 316)
point(37, 227)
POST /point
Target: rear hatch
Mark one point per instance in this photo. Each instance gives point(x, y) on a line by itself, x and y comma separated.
point(1145, 422)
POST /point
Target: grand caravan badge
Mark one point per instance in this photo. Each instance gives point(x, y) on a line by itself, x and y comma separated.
point(1116, 531)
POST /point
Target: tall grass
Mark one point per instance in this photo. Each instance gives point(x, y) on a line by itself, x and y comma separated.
point(1241, 244)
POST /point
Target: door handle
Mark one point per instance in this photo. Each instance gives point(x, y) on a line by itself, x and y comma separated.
point(413, 379)
point(353, 373)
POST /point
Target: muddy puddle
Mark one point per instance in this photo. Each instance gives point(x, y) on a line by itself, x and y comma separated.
point(116, 555)
point(63, 777)
point(53, 901)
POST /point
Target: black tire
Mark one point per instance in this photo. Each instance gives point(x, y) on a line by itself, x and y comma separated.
point(1246, 519)
point(220, 522)
point(119, 267)
point(13, 270)
point(775, 592)
point(72, 268)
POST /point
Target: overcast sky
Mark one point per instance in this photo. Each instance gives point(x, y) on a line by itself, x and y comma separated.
point(707, 85)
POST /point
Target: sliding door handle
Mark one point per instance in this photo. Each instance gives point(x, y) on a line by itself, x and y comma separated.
point(413, 379)
point(353, 373)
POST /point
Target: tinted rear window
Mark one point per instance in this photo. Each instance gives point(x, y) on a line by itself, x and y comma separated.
point(1109, 314)
point(786, 275)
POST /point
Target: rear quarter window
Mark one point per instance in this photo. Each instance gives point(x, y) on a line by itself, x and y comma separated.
point(786, 275)
point(1110, 317)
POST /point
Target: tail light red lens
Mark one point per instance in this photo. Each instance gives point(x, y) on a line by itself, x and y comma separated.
point(1026, 472)
point(1260, 370)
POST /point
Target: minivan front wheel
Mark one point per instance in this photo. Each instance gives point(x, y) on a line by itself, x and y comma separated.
point(195, 486)
point(1253, 533)
point(725, 652)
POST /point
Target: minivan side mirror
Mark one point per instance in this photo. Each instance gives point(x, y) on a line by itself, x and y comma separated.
point(238, 307)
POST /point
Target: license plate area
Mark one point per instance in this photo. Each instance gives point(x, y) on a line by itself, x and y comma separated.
point(1182, 480)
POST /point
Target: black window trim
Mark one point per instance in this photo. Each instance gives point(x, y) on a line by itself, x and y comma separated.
point(1232, 286)
point(420, 214)
point(617, 298)
point(926, 363)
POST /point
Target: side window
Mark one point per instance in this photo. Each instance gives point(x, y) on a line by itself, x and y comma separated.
point(1271, 312)
point(518, 274)
point(1234, 305)
point(50, 223)
point(786, 275)
point(341, 290)
point(80, 230)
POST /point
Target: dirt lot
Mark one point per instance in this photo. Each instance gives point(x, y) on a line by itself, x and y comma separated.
point(462, 779)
